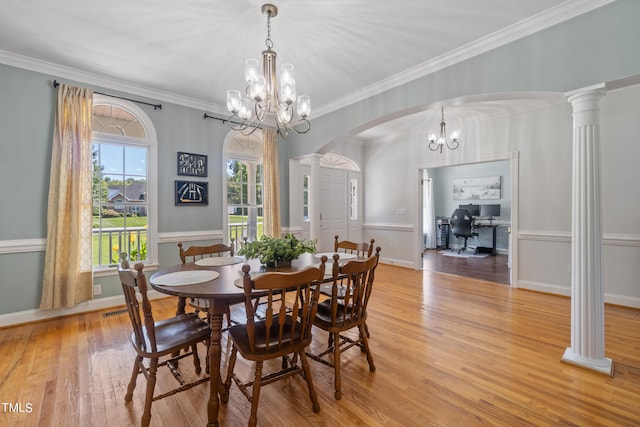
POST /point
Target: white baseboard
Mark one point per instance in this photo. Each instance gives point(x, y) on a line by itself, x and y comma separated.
point(609, 298)
point(622, 300)
point(544, 287)
point(28, 316)
point(398, 262)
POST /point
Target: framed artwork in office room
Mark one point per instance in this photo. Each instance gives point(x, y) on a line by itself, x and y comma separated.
point(191, 193)
point(192, 164)
point(482, 188)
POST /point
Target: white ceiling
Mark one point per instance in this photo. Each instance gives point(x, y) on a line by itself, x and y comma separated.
point(192, 51)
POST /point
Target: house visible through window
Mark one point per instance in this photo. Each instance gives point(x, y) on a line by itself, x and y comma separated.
point(120, 186)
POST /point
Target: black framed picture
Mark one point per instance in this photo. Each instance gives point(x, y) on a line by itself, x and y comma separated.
point(193, 193)
point(190, 164)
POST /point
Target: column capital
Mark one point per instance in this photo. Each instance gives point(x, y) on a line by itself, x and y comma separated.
point(586, 105)
point(586, 94)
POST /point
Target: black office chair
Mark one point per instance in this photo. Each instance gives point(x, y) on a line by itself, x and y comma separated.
point(462, 226)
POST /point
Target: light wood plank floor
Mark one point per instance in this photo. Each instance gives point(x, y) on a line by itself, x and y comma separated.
point(449, 351)
point(492, 268)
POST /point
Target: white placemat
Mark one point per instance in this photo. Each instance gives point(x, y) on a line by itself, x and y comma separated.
point(342, 255)
point(239, 282)
point(219, 260)
point(182, 278)
point(328, 268)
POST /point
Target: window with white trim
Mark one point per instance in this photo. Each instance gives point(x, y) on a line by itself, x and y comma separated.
point(244, 200)
point(123, 180)
point(242, 186)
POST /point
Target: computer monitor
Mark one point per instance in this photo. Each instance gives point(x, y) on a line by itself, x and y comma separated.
point(489, 211)
point(474, 210)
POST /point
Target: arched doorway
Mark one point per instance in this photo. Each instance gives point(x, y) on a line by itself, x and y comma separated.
point(337, 196)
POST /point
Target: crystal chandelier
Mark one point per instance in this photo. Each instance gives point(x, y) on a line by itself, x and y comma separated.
point(267, 98)
point(436, 144)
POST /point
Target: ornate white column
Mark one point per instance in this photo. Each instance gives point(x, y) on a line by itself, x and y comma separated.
point(314, 197)
point(587, 289)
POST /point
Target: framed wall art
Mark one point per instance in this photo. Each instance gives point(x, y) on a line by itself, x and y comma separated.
point(191, 193)
point(483, 188)
point(190, 164)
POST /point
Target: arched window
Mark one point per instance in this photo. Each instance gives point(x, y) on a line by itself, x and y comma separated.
point(124, 183)
point(242, 192)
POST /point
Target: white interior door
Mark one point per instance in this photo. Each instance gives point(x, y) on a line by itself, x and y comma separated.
point(333, 207)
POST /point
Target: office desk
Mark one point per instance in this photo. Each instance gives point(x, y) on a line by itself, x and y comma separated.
point(494, 225)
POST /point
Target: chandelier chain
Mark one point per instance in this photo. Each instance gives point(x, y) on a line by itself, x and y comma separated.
point(268, 41)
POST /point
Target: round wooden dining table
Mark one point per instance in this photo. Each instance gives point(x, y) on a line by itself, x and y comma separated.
point(222, 291)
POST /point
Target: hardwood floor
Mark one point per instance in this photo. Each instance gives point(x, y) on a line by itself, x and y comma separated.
point(449, 351)
point(491, 268)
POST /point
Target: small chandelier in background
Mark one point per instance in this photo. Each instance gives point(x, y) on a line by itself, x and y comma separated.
point(266, 97)
point(436, 144)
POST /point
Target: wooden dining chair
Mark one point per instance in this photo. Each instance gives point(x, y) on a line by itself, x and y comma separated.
point(346, 310)
point(153, 340)
point(363, 250)
point(284, 332)
point(195, 253)
point(257, 300)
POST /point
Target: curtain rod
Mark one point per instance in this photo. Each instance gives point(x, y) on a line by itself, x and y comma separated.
point(206, 116)
point(155, 106)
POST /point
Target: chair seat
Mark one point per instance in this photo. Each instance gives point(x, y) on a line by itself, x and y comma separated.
point(323, 317)
point(326, 289)
point(174, 333)
point(289, 344)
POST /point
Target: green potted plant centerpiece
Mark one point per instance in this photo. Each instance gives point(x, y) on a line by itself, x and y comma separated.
point(277, 251)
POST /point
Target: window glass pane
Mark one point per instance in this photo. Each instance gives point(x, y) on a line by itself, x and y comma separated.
point(120, 210)
point(135, 161)
point(259, 194)
point(244, 199)
point(245, 194)
point(233, 194)
point(112, 159)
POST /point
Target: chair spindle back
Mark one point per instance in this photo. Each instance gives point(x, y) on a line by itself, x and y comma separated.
point(131, 280)
point(291, 301)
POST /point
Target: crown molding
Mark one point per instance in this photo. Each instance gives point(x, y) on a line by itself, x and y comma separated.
point(541, 21)
point(94, 79)
point(548, 18)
